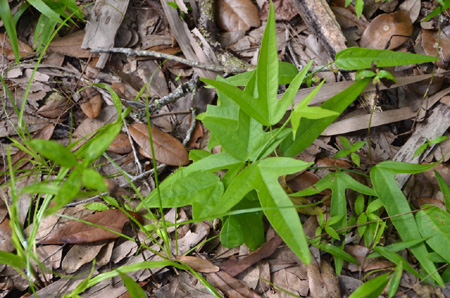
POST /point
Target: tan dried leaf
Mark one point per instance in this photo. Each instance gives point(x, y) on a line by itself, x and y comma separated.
point(93, 106)
point(5, 236)
point(236, 15)
point(70, 45)
point(430, 40)
point(198, 264)
point(168, 150)
point(54, 108)
point(380, 32)
point(24, 49)
point(78, 232)
point(121, 144)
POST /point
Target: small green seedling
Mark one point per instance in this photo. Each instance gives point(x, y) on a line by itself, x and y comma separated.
point(429, 143)
point(350, 149)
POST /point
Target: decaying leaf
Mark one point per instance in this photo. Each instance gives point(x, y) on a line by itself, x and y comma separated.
point(70, 45)
point(284, 10)
point(78, 232)
point(93, 106)
point(5, 236)
point(387, 31)
point(55, 106)
point(430, 39)
point(198, 264)
point(121, 144)
point(236, 15)
point(168, 150)
point(24, 49)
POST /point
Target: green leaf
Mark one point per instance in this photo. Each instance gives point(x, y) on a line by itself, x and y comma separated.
point(55, 152)
point(45, 10)
point(372, 288)
point(384, 74)
point(420, 150)
point(200, 189)
point(395, 280)
point(362, 74)
point(359, 5)
point(335, 251)
point(356, 159)
point(395, 203)
point(101, 141)
point(232, 234)
point(338, 182)
point(286, 73)
point(10, 26)
point(93, 180)
point(262, 176)
point(68, 191)
point(345, 142)
point(96, 206)
point(396, 259)
point(310, 129)
point(12, 260)
point(359, 205)
point(444, 189)
point(438, 10)
point(43, 33)
point(134, 289)
point(360, 58)
point(435, 223)
point(395, 247)
point(332, 232)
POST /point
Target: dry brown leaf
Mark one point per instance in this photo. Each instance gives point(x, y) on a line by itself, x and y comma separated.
point(70, 45)
point(430, 40)
point(121, 144)
point(78, 232)
point(54, 108)
point(284, 10)
point(168, 150)
point(380, 32)
point(333, 162)
point(331, 279)
point(199, 265)
point(194, 142)
point(231, 286)
point(236, 15)
point(5, 236)
point(24, 49)
point(93, 106)
point(360, 253)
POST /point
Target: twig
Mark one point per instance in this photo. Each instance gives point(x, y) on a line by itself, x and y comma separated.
point(191, 128)
point(211, 67)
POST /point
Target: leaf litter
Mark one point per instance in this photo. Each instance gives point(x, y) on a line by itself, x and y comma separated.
point(279, 267)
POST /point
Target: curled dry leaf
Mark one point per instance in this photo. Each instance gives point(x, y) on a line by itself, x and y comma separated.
point(387, 30)
point(236, 15)
point(121, 144)
point(168, 150)
point(430, 40)
point(55, 106)
point(93, 106)
point(24, 49)
point(78, 232)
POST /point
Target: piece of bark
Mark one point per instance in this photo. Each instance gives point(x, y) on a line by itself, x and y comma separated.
point(322, 22)
point(434, 126)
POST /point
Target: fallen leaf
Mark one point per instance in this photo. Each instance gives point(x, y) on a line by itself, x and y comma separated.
point(333, 162)
point(24, 49)
point(284, 10)
point(430, 39)
point(387, 30)
point(70, 45)
point(168, 150)
point(93, 106)
point(78, 232)
point(55, 106)
point(194, 142)
point(199, 265)
point(5, 236)
point(121, 144)
point(80, 254)
point(236, 15)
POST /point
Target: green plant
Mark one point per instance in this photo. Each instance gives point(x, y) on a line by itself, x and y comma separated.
point(429, 143)
point(350, 149)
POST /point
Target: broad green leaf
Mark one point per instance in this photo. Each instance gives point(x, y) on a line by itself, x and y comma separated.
point(196, 155)
point(100, 142)
point(240, 135)
point(310, 129)
point(372, 288)
point(200, 189)
point(303, 111)
point(96, 206)
point(360, 58)
point(93, 180)
point(12, 260)
point(435, 223)
point(395, 203)
point(134, 289)
point(232, 234)
point(10, 26)
point(286, 73)
point(267, 70)
point(338, 182)
point(262, 176)
point(444, 189)
point(55, 152)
